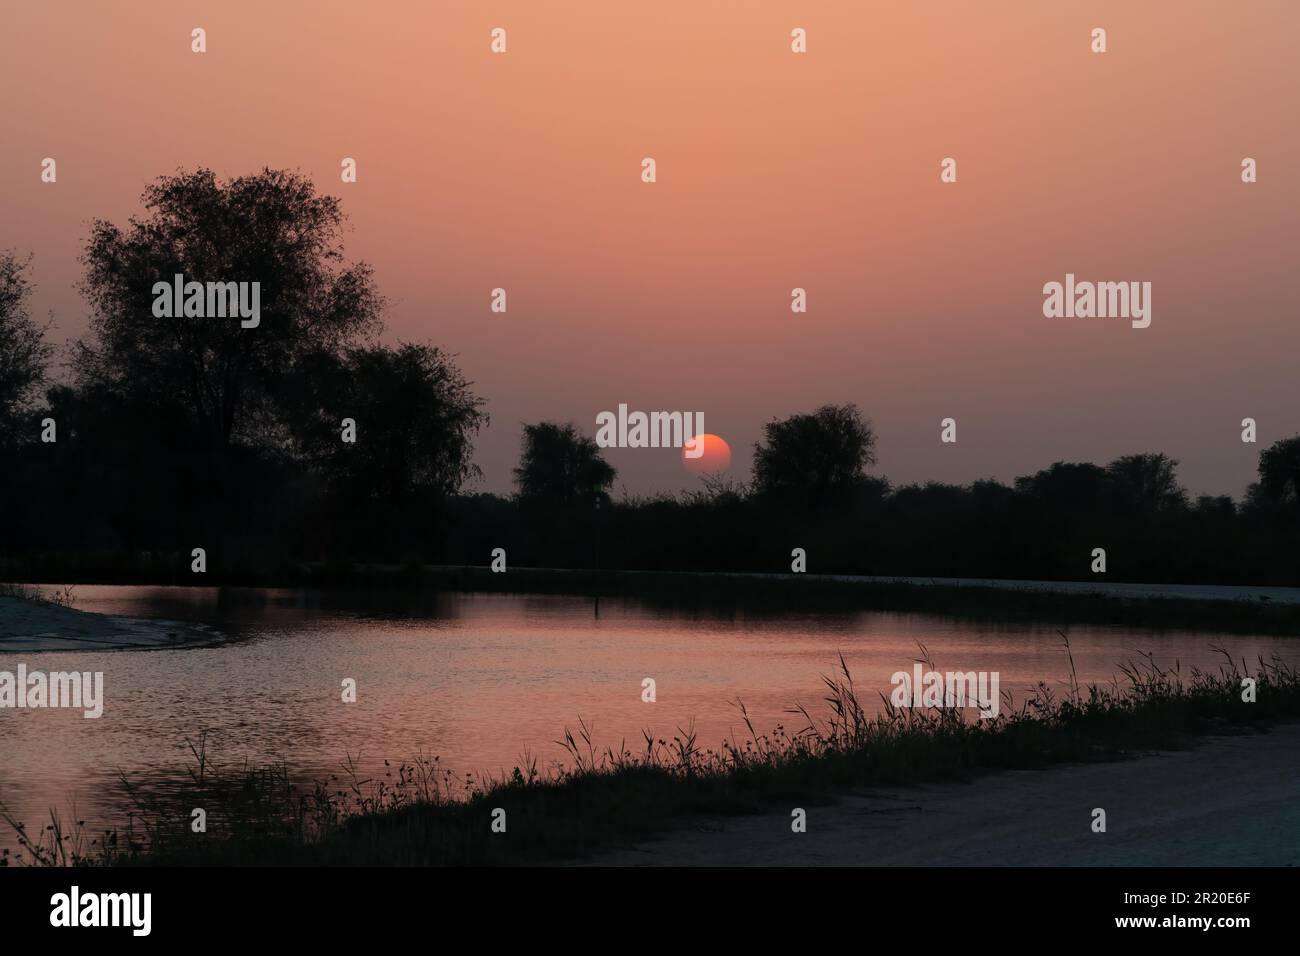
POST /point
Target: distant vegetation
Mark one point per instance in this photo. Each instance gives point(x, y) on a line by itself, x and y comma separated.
point(173, 432)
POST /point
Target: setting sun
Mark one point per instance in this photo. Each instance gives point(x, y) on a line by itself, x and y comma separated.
point(715, 459)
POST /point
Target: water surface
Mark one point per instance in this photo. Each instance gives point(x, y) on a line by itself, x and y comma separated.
point(480, 679)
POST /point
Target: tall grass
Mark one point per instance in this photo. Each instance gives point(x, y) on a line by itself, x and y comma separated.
point(421, 813)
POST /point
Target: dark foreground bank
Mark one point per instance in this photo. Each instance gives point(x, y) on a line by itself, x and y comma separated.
point(1232, 800)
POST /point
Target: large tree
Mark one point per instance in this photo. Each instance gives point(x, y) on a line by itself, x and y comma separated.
point(559, 465)
point(24, 352)
point(271, 228)
point(816, 459)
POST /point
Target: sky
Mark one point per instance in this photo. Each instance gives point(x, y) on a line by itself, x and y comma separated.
point(775, 170)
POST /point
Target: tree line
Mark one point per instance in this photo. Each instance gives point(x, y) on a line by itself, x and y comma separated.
point(164, 431)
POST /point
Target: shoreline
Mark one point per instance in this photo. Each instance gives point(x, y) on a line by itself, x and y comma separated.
point(39, 627)
point(334, 574)
point(1152, 606)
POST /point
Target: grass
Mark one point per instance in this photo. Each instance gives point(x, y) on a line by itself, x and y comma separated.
point(63, 597)
point(420, 813)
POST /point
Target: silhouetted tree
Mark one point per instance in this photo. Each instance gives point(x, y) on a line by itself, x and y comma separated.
point(1279, 472)
point(1067, 487)
point(815, 459)
point(414, 413)
point(270, 228)
point(23, 354)
point(559, 465)
point(1221, 506)
point(1146, 483)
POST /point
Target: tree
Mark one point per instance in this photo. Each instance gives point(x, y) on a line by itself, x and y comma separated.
point(414, 416)
point(818, 458)
point(24, 352)
point(1146, 483)
point(270, 228)
point(1066, 487)
point(1279, 472)
point(561, 466)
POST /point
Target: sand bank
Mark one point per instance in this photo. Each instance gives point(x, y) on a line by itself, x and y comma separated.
point(36, 626)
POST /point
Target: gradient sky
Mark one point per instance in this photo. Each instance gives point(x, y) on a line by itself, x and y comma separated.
point(775, 170)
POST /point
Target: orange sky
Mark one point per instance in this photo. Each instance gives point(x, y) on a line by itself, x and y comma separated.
point(775, 170)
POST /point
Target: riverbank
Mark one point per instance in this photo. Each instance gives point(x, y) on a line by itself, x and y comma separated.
point(1226, 609)
point(1163, 606)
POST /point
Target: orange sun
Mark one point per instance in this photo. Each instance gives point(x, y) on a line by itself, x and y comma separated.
point(715, 460)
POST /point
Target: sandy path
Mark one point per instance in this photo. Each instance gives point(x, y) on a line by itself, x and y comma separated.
point(1232, 801)
point(33, 626)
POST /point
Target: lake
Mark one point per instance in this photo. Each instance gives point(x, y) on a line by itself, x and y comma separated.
point(478, 679)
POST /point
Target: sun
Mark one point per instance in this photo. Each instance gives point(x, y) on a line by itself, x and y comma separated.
point(715, 460)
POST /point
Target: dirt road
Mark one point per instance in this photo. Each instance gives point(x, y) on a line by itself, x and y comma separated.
point(1232, 801)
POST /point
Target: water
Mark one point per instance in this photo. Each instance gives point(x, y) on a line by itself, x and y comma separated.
point(478, 679)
